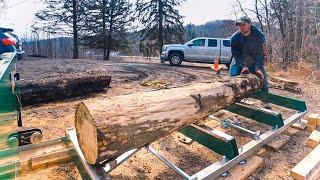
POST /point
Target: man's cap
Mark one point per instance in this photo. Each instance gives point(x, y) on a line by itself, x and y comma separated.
point(242, 20)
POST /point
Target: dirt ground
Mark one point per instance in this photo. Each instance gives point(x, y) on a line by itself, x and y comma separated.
point(127, 75)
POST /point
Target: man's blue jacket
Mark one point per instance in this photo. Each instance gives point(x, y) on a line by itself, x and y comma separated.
point(237, 47)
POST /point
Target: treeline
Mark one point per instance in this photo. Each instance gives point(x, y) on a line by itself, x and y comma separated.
point(217, 28)
point(106, 24)
point(100, 27)
point(46, 45)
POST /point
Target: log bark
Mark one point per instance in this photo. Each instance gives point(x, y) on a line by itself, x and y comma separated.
point(62, 86)
point(108, 128)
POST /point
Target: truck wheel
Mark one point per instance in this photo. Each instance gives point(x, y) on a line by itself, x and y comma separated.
point(175, 59)
point(228, 65)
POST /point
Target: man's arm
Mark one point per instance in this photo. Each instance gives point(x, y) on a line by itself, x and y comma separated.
point(236, 50)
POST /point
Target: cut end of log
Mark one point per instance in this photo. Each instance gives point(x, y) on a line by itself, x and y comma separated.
point(86, 133)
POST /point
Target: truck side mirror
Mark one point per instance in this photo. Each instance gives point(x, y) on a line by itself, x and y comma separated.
point(190, 44)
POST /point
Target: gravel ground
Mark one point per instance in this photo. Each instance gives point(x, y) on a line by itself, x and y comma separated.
point(53, 118)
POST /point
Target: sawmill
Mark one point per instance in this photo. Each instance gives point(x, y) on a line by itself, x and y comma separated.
point(107, 133)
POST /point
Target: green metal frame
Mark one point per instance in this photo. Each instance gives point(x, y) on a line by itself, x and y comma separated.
point(9, 107)
point(257, 114)
point(8, 98)
point(222, 144)
point(283, 101)
point(226, 145)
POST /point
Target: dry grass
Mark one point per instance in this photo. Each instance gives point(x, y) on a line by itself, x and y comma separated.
point(300, 70)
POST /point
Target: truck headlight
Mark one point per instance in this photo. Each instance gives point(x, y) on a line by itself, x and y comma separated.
point(164, 48)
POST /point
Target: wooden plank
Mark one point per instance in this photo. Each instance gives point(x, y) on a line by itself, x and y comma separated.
point(292, 131)
point(184, 139)
point(278, 143)
point(241, 172)
point(313, 119)
point(262, 152)
point(309, 167)
point(314, 139)
point(284, 81)
point(302, 125)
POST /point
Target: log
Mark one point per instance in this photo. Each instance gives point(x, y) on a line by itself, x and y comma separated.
point(108, 128)
point(62, 86)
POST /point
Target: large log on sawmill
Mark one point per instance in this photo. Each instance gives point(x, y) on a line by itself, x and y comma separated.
point(108, 128)
point(62, 86)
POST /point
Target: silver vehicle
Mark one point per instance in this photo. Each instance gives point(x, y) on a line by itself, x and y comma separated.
point(202, 50)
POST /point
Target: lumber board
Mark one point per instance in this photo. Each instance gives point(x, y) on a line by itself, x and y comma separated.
point(284, 80)
point(242, 172)
point(309, 167)
point(314, 139)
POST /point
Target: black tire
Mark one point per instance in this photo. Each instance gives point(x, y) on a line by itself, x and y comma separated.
point(228, 65)
point(175, 59)
point(20, 57)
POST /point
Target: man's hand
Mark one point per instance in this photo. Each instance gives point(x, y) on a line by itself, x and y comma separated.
point(245, 70)
point(260, 74)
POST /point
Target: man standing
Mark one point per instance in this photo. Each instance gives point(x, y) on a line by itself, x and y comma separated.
point(248, 51)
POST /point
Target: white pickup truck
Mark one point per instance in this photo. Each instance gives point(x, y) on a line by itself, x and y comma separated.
point(203, 50)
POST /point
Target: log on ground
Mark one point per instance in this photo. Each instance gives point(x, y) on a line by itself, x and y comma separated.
point(62, 86)
point(108, 128)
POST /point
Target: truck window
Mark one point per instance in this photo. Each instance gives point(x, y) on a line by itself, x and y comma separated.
point(213, 43)
point(199, 42)
point(226, 43)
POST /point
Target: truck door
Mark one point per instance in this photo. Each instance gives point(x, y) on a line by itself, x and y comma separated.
point(196, 51)
point(225, 51)
point(213, 50)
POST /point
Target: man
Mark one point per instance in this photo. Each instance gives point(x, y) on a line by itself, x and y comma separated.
point(249, 51)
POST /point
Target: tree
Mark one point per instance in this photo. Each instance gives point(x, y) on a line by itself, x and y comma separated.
point(2, 4)
point(62, 17)
point(162, 22)
point(108, 22)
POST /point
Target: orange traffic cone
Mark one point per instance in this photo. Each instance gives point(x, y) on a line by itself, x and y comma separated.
point(216, 66)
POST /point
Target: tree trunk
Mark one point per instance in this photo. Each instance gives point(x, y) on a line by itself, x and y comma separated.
point(108, 128)
point(109, 43)
point(160, 35)
point(75, 30)
point(62, 87)
point(104, 30)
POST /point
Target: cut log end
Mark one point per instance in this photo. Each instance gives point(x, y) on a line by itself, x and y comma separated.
point(86, 133)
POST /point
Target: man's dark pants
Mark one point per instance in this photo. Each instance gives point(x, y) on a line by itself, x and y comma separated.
point(235, 70)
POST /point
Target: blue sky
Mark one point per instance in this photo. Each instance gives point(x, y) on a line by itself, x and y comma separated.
point(20, 14)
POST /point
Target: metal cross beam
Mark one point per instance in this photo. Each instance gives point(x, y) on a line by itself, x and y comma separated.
point(217, 141)
point(283, 101)
point(265, 116)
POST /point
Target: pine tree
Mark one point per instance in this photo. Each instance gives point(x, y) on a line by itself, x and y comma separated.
point(62, 17)
point(108, 22)
point(162, 22)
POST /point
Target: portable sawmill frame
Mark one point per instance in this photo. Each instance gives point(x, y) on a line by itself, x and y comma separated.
point(64, 149)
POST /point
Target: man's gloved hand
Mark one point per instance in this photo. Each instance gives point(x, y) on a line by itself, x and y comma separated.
point(245, 70)
point(260, 74)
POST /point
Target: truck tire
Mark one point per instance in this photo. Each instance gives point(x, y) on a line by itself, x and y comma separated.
point(175, 59)
point(228, 65)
